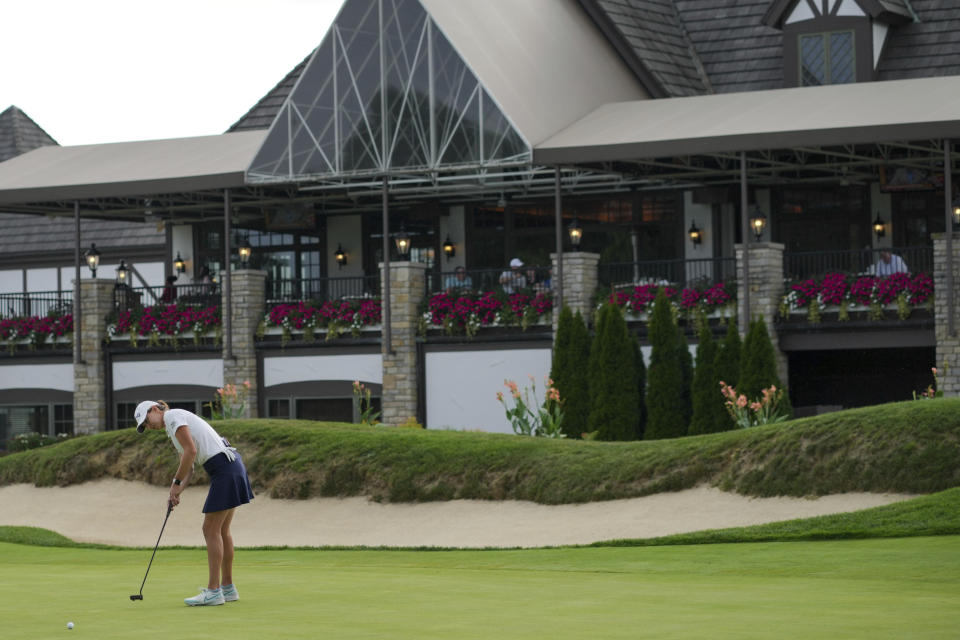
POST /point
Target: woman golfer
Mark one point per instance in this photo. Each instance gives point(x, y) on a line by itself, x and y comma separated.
point(196, 441)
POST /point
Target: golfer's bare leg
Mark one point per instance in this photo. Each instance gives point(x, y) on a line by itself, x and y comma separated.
point(226, 566)
point(212, 524)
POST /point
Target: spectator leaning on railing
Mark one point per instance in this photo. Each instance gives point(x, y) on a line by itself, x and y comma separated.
point(513, 279)
point(888, 264)
point(458, 281)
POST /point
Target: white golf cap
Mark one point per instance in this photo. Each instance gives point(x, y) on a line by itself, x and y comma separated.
point(516, 262)
point(141, 413)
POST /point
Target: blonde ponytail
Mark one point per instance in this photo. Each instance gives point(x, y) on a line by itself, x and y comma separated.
point(163, 405)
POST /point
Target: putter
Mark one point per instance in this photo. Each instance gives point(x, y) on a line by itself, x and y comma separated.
point(139, 596)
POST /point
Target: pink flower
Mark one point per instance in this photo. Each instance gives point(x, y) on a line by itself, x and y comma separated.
point(742, 401)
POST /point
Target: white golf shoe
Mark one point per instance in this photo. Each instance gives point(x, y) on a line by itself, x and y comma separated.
point(206, 598)
point(230, 593)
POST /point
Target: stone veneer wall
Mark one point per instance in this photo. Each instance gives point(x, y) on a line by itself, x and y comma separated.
point(400, 393)
point(948, 346)
point(249, 293)
point(766, 290)
point(89, 375)
point(579, 283)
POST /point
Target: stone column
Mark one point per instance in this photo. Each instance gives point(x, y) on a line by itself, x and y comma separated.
point(400, 391)
point(579, 283)
point(766, 290)
point(89, 388)
point(248, 287)
point(948, 346)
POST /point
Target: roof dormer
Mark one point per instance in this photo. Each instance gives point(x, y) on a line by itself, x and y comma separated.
point(834, 41)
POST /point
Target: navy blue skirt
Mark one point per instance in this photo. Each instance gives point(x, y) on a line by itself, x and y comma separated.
point(229, 484)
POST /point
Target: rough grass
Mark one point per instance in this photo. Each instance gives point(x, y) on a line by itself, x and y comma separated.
point(907, 447)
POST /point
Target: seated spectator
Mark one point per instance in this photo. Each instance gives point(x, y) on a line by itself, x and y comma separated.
point(888, 264)
point(513, 280)
point(169, 290)
point(535, 282)
point(458, 281)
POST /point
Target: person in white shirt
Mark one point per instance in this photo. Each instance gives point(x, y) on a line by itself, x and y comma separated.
point(889, 264)
point(196, 441)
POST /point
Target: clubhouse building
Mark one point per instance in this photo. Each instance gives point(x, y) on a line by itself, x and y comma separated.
point(793, 160)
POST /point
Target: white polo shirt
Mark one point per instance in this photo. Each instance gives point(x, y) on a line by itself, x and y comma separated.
point(208, 442)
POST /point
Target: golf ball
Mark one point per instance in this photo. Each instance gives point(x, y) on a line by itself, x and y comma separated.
point(69, 625)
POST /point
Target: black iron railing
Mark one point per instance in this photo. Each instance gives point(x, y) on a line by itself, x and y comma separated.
point(537, 279)
point(801, 265)
point(323, 289)
point(36, 303)
point(195, 295)
point(695, 274)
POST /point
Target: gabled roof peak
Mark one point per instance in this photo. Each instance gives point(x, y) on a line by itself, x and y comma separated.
point(19, 133)
point(892, 12)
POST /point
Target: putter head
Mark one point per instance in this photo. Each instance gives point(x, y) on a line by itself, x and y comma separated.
point(136, 597)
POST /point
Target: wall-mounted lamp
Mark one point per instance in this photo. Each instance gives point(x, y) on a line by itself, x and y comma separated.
point(449, 249)
point(340, 256)
point(758, 223)
point(92, 257)
point(696, 235)
point(402, 240)
point(123, 274)
point(956, 210)
point(245, 251)
point(576, 234)
point(879, 227)
point(179, 265)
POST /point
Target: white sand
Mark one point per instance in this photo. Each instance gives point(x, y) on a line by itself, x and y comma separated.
point(131, 513)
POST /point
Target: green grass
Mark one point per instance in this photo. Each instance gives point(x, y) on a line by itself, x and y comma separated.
point(902, 588)
point(911, 447)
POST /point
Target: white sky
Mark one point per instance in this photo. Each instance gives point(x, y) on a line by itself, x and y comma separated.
point(92, 71)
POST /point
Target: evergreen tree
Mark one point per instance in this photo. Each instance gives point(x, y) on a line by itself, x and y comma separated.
point(561, 350)
point(641, 368)
point(686, 377)
point(575, 393)
point(728, 356)
point(613, 392)
point(758, 365)
point(664, 399)
point(707, 400)
point(728, 370)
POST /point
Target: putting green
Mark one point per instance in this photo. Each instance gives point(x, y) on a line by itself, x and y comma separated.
point(873, 589)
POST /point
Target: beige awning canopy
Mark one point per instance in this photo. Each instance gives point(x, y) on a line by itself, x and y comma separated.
point(863, 113)
point(128, 169)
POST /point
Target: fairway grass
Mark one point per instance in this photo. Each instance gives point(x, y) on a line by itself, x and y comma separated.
point(889, 588)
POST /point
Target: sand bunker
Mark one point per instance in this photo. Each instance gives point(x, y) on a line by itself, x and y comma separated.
point(130, 514)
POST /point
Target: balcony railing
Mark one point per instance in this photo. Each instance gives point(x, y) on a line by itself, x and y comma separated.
point(801, 265)
point(323, 289)
point(36, 303)
point(528, 278)
point(695, 274)
point(194, 295)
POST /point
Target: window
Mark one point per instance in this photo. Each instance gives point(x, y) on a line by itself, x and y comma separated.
point(278, 408)
point(124, 415)
point(63, 419)
point(827, 58)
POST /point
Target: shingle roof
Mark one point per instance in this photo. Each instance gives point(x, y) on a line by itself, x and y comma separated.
point(19, 134)
point(930, 47)
point(261, 115)
point(657, 41)
point(738, 52)
point(29, 234)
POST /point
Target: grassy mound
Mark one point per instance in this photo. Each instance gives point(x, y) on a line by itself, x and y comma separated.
point(911, 447)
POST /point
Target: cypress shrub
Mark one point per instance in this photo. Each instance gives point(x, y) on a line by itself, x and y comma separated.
point(664, 399)
point(728, 369)
point(576, 395)
point(728, 356)
point(641, 369)
point(707, 399)
point(613, 391)
point(758, 365)
point(686, 376)
point(561, 350)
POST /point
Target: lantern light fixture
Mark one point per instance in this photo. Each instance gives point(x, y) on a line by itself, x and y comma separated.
point(696, 235)
point(402, 240)
point(758, 223)
point(179, 265)
point(245, 251)
point(92, 257)
point(123, 273)
point(879, 227)
point(576, 234)
point(449, 249)
point(340, 256)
